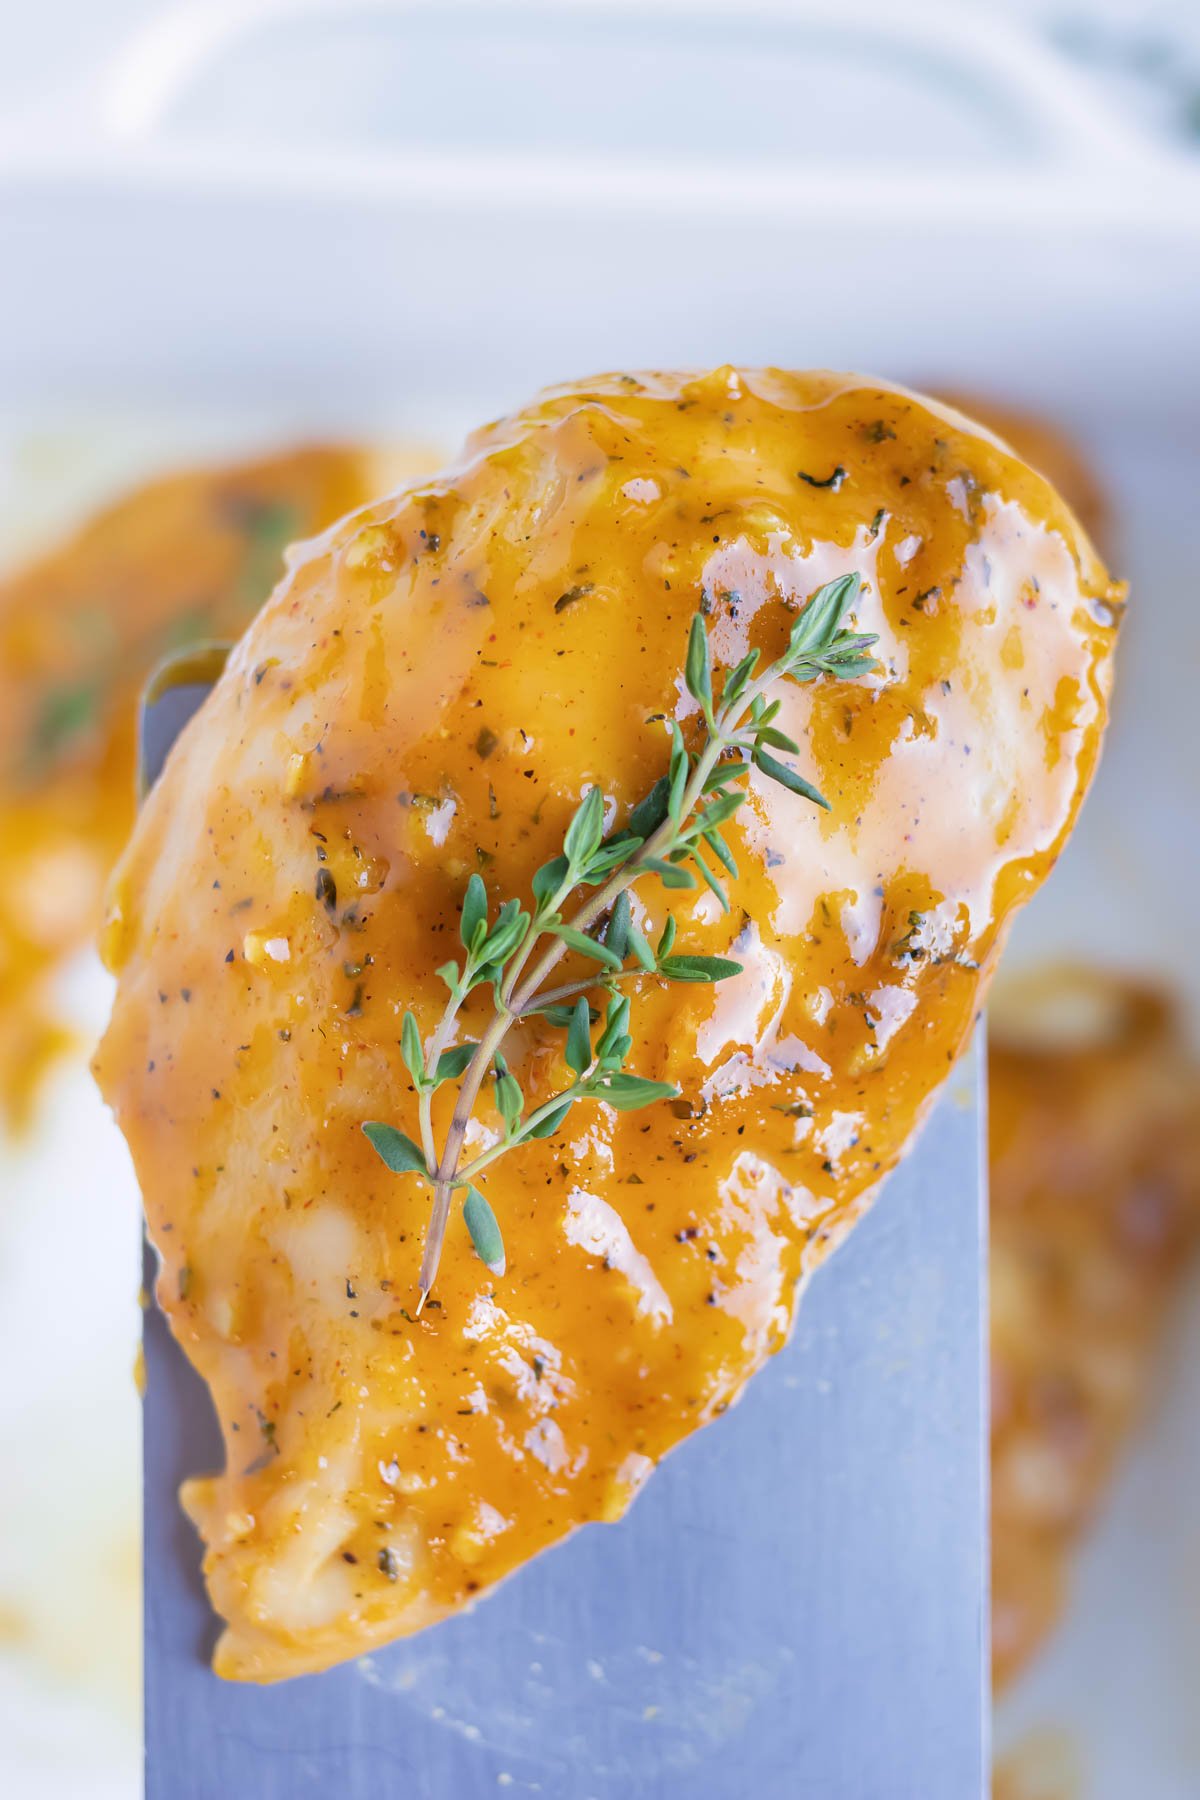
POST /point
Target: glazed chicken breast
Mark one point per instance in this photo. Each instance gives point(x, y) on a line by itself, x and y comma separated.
point(428, 696)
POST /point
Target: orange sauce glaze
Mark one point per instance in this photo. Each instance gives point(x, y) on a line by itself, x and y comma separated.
point(178, 560)
point(428, 693)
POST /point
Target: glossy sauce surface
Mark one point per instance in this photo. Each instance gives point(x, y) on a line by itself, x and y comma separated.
point(429, 693)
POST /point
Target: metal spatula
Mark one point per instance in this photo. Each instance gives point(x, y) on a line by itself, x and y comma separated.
point(795, 1608)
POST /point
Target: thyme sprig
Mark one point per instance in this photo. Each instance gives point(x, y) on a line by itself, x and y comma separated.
point(675, 832)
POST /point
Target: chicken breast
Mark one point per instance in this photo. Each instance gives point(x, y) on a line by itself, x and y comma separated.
point(427, 696)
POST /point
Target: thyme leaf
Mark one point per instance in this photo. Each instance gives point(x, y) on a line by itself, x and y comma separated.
point(397, 1151)
point(480, 1221)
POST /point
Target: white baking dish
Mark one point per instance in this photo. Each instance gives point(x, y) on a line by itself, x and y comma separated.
point(264, 221)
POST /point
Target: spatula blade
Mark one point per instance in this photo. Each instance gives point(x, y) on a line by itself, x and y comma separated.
point(796, 1606)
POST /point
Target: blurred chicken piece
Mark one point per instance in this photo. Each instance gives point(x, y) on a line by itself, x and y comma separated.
point(181, 559)
point(1095, 1202)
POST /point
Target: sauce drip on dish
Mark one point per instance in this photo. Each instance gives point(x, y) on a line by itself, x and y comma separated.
point(427, 695)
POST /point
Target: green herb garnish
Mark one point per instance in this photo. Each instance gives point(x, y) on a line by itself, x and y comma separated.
point(833, 482)
point(676, 832)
